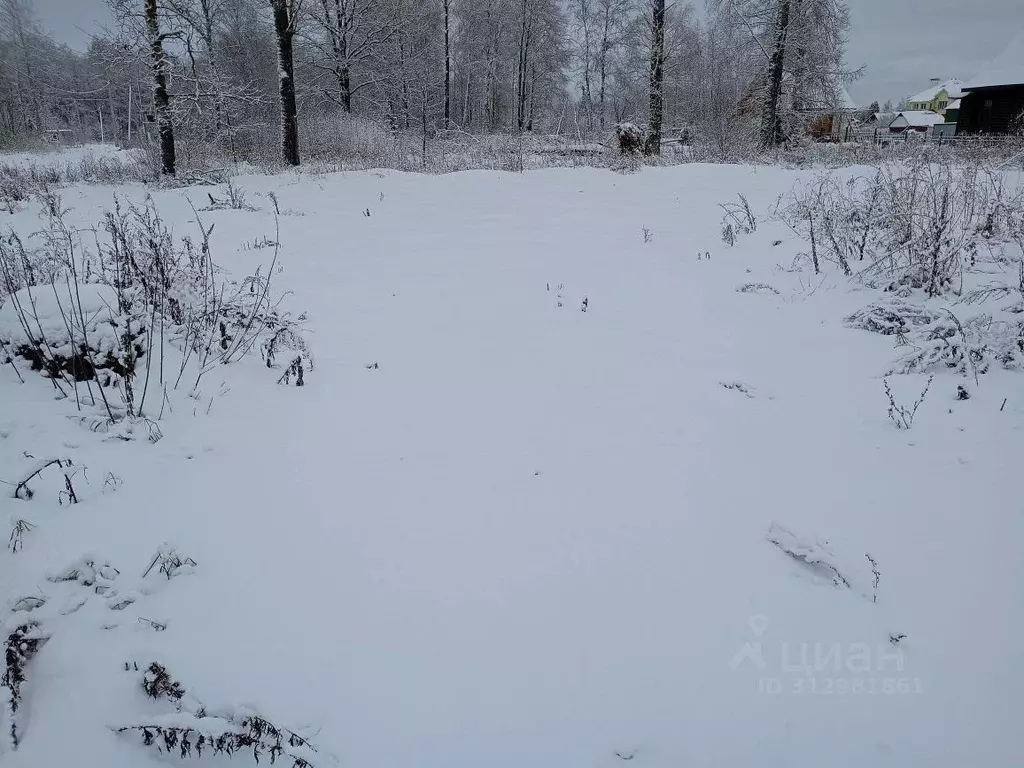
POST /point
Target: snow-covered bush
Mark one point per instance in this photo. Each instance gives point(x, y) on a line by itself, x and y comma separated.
point(936, 339)
point(738, 218)
point(65, 469)
point(969, 348)
point(892, 316)
point(19, 647)
point(192, 727)
point(123, 168)
point(14, 191)
point(903, 415)
point(72, 330)
point(234, 199)
point(757, 288)
point(917, 225)
point(137, 311)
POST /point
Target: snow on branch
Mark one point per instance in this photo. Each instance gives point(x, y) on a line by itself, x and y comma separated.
point(191, 728)
point(817, 557)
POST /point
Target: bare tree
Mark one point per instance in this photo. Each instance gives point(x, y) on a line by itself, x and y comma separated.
point(210, 89)
point(613, 17)
point(584, 22)
point(22, 32)
point(353, 32)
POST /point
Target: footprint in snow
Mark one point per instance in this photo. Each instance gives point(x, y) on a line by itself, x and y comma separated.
point(739, 386)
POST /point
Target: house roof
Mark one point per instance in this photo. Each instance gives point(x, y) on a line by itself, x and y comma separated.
point(920, 118)
point(1005, 69)
point(843, 97)
point(951, 86)
point(954, 104)
point(834, 97)
point(885, 117)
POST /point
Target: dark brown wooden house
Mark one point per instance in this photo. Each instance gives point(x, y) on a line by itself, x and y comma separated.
point(994, 100)
point(997, 109)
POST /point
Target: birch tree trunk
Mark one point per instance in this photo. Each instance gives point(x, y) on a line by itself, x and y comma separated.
point(284, 30)
point(161, 100)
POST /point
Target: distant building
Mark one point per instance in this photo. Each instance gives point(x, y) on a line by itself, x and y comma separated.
point(953, 111)
point(916, 121)
point(881, 119)
point(824, 116)
point(994, 100)
point(936, 97)
point(830, 117)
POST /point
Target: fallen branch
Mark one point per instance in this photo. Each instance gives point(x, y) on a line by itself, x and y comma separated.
point(812, 554)
point(22, 491)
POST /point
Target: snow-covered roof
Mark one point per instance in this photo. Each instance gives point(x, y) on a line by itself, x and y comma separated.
point(1005, 69)
point(951, 86)
point(834, 97)
point(955, 104)
point(884, 117)
point(920, 118)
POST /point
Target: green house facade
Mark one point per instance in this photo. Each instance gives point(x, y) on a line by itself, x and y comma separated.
point(936, 97)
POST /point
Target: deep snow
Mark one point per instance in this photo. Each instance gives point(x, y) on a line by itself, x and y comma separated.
point(533, 535)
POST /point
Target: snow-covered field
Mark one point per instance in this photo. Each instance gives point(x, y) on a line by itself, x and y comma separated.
point(494, 529)
point(60, 154)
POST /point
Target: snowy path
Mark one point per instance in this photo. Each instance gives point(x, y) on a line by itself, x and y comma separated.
point(536, 536)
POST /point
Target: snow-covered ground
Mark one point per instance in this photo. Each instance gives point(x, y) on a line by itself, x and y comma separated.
point(496, 530)
point(62, 154)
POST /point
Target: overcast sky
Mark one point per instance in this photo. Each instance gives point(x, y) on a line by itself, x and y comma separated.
point(902, 43)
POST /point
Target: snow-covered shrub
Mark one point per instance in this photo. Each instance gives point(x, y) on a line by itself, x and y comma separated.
point(123, 168)
point(158, 683)
point(728, 234)
point(936, 339)
point(919, 225)
point(737, 219)
point(285, 342)
point(739, 215)
point(72, 330)
point(135, 311)
point(970, 348)
point(19, 647)
point(757, 288)
point(903, 415)
point(14, 190)
point(65, 468)
point(1001, 289)
point(892, 317)
point(234, 199)
point(192, 727)
point(19, 527)
point(87, 571)
point(170, 562)
point(876, 574)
